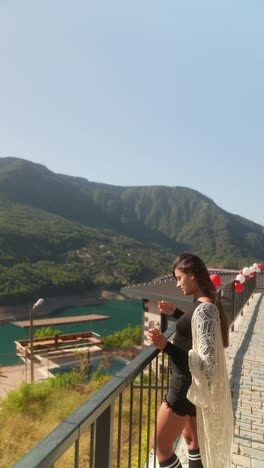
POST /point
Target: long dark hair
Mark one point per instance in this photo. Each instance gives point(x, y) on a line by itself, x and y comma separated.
point(189, 263)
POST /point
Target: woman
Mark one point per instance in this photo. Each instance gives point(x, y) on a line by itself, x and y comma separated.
point(198, 400)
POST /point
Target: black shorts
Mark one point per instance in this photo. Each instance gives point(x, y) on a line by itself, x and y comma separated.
point(176, 398)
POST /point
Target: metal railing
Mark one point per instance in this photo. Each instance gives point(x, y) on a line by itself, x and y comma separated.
point(260, 281)
point(113, 428)
point(235, 301)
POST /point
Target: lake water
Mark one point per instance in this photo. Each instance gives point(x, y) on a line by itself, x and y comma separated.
point(122, 314)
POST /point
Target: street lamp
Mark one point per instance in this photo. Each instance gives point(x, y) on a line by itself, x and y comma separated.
point(31, 311)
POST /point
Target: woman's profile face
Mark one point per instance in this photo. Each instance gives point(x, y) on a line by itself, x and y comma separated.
point(185, 281)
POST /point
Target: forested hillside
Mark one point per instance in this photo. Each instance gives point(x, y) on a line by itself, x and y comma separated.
point(66, 234)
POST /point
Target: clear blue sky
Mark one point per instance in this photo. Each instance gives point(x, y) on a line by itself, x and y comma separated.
point(140, 92)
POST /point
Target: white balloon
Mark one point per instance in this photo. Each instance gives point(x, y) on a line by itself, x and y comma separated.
point(246, 271)
point(241, 278)
point(255, 265)
point(252, 269)
point(258, 270)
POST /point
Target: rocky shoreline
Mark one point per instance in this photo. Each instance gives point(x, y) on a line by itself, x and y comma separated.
point(12, 313)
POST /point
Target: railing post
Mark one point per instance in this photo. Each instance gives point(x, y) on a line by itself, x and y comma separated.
point(104, 438)
point(31, 311)
point(233, 306)
point(163, 323)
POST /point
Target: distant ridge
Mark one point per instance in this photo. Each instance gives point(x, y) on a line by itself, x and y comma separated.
point(49, 217)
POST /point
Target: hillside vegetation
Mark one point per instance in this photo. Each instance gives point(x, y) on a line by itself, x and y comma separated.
point(31, 412)
point(63, 234)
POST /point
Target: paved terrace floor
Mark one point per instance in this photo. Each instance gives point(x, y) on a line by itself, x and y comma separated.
point(245, 359)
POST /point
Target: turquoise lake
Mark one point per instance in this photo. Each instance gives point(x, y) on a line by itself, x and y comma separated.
point(122, 314)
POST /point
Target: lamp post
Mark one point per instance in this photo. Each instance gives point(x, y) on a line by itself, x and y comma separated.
point(31, 312)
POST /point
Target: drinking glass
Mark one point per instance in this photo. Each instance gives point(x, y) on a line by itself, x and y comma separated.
point(154, 324)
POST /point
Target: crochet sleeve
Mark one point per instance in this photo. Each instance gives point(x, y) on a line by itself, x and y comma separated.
point(202, 358)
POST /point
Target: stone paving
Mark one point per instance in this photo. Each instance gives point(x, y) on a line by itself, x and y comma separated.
point(245, 360)
point(12, 376)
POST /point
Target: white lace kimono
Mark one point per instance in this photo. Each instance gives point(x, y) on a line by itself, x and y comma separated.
point(210, 390)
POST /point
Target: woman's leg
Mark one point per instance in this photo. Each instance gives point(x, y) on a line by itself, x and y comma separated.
point(190, 434)
point(169, 427)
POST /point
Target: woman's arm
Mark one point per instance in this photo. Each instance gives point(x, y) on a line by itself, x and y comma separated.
point(158, 339)
point(175, 352)
point(202, 358)
point(167, 308)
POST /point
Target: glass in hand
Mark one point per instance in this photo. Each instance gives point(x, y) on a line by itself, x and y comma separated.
point(154, 325)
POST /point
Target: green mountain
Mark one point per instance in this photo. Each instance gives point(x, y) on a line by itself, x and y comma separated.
point(109, 235)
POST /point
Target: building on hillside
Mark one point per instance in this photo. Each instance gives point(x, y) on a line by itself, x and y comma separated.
point(164, 288)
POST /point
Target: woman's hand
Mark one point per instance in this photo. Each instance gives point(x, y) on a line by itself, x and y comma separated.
point(166, 308)
point(157, 338)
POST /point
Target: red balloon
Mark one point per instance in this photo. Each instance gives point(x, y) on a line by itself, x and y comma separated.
point(247, 277)
point(216, 280)
point(260, 265)
point(241, 272)
point(251, 275)
point(239, 287)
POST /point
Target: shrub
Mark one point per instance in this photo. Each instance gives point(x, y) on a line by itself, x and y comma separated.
point(124, 338)
point(46, 331)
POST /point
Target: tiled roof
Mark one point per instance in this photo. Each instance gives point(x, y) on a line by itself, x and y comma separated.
point(164, 288)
